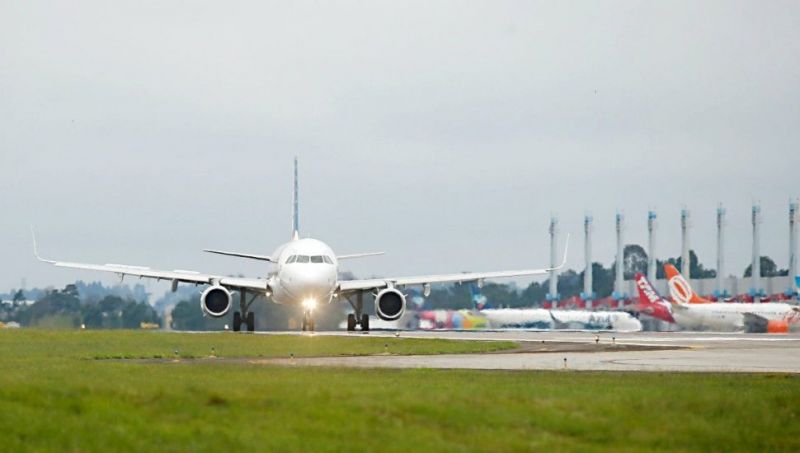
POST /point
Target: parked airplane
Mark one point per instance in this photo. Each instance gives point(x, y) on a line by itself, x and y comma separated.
point(691, 311)
point(545, 319)
point(650, 302)
point(305, 274)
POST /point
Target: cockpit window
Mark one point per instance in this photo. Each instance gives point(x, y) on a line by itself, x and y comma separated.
point(317, 259)
point(302, 259)
point(291, 259)
point(327, 259)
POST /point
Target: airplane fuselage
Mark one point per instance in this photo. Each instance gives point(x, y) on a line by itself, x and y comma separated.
point(728, 316)
point(306, 272)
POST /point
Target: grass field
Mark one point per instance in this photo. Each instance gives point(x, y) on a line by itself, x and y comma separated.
point(57, 392)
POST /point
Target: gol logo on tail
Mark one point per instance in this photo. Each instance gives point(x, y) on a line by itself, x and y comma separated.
point(679, 289)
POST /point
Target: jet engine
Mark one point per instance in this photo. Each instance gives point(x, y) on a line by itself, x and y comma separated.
point(757, 324)
point(390, 304)
point(216, 301)
point(777, 326)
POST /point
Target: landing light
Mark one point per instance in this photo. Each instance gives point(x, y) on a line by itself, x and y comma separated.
point(309, 304)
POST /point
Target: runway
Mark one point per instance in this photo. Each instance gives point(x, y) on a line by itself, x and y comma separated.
point(695, 352)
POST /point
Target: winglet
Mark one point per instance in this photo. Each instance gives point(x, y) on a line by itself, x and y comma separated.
point(564, 259)
point(36, 248)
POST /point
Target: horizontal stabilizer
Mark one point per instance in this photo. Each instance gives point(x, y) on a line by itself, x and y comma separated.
point(241, 255)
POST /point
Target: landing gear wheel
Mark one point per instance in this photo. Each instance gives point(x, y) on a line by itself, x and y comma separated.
point(365, 322)
point(308, 321)
point(351, 322)
point(237, 321)
point(251, 322)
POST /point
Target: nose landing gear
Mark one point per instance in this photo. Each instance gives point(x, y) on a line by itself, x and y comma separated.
point(308, 321)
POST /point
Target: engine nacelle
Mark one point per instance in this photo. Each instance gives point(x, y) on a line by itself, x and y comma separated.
point(390, 304)
point(216, 301)
point(777, 326)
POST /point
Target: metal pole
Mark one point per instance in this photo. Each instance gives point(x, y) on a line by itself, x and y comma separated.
point(721, 251)
point(553, 295)
point(755, 267)
point(686, 265)
point(793, 215)
point(620, 264)
point(651, 246)
point(587, 253)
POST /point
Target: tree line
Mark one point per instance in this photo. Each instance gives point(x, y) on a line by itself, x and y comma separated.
point(66, 308)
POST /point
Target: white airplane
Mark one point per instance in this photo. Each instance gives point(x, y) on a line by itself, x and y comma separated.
point(695, 313)
point(305, 274)
point(544, 319)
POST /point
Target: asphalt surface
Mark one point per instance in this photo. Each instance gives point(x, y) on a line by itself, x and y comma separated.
point(693, 352)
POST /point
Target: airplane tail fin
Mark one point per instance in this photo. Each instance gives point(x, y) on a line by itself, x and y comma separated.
point(680, 289)
point(647, 294)
point(478, 299)
point(650, 302)
point(295, 205)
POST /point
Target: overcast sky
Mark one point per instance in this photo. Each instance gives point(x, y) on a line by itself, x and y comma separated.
point(444, 133)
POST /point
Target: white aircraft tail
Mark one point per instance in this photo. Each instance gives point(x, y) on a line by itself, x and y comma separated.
point(296, 205)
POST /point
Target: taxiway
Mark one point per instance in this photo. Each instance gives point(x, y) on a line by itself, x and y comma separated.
point(671, 351)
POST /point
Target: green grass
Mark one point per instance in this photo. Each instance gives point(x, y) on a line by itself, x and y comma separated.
point(55, 396)
point(130, 344)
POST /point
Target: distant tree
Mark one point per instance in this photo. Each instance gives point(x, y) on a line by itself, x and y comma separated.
point(602, 280)
point(452, 297)
point(114, 312)
point(768, 269)
point(71, 290)
point(135, 313)
point(187, 316)
point(634, 261)
point(62, 304)
point(533, 295)
point(105, 314)
point(697, 269)
point(570, 283)
point(498, 295)
point(18, 297)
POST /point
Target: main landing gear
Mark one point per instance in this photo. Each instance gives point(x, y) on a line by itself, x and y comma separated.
point(359, 317)
point(245, 316)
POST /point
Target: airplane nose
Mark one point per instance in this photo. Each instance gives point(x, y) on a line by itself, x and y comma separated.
point(311, 283)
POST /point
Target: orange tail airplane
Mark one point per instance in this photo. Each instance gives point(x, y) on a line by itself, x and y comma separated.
point(679, 288)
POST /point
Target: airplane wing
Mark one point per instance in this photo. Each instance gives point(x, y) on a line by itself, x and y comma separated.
point(174, 276)
point(357, 255)
point(755, 323)
point(464, 277)
point(241, 255)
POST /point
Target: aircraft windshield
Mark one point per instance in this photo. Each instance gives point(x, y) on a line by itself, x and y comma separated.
point(316, 259)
